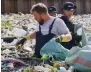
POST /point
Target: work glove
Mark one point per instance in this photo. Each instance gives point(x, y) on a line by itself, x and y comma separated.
point(58, 39)
point(20, 43)
point(62, 38)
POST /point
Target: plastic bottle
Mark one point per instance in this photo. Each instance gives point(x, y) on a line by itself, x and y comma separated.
point(4, 63)
point(61, 69)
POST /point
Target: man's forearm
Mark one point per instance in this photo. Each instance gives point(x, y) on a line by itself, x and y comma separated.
point(31, 36)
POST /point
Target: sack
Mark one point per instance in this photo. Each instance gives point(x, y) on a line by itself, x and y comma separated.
point(55, 49)
point(80, 59)
point(84, 38)
point(89, 40)
point(79, 30)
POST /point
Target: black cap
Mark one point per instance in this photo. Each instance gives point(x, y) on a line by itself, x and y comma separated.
point(51, 9)
point(69, 6)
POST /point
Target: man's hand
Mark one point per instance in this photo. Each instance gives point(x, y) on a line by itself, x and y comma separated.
point(28, 37)
point(21, 43)
point(64, 38)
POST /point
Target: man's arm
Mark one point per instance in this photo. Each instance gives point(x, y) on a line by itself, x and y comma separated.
point(63, 31)
point(31, 36)
point(20, 43)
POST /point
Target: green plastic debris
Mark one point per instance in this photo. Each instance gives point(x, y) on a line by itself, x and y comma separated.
point(3, 23)
point(44, 56)
point(9, 23)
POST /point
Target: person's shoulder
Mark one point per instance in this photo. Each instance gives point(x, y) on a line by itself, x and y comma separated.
point(63, 17)
point(58, 20)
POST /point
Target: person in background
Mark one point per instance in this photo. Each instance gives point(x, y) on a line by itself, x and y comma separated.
point(68, 10)
point(52, 11)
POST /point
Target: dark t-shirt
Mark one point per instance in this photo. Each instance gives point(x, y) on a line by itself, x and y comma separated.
point(68, 23)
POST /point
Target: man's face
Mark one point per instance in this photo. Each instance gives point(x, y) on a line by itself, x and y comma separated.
point(38, 17)
point(68, 13)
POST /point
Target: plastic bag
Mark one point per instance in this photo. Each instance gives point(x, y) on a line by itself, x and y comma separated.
point(79, 30)
point(55, 49)
point(80, 58)
point(84, 38)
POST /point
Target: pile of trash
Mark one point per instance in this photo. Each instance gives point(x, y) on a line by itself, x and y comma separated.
point(85, 20)
point(33, 65)
point(16, 27)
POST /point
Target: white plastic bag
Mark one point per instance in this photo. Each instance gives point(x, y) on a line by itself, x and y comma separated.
point(55, 49)
point(81, 59)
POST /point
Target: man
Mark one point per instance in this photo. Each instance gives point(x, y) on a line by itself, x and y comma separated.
point(68, 9)
point(47, 28)
point(52, 11)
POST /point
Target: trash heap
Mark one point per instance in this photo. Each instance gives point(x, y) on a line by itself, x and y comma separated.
point(17, 26)
point(85, 20)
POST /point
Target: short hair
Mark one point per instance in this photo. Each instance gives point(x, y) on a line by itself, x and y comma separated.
point(40, 8)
